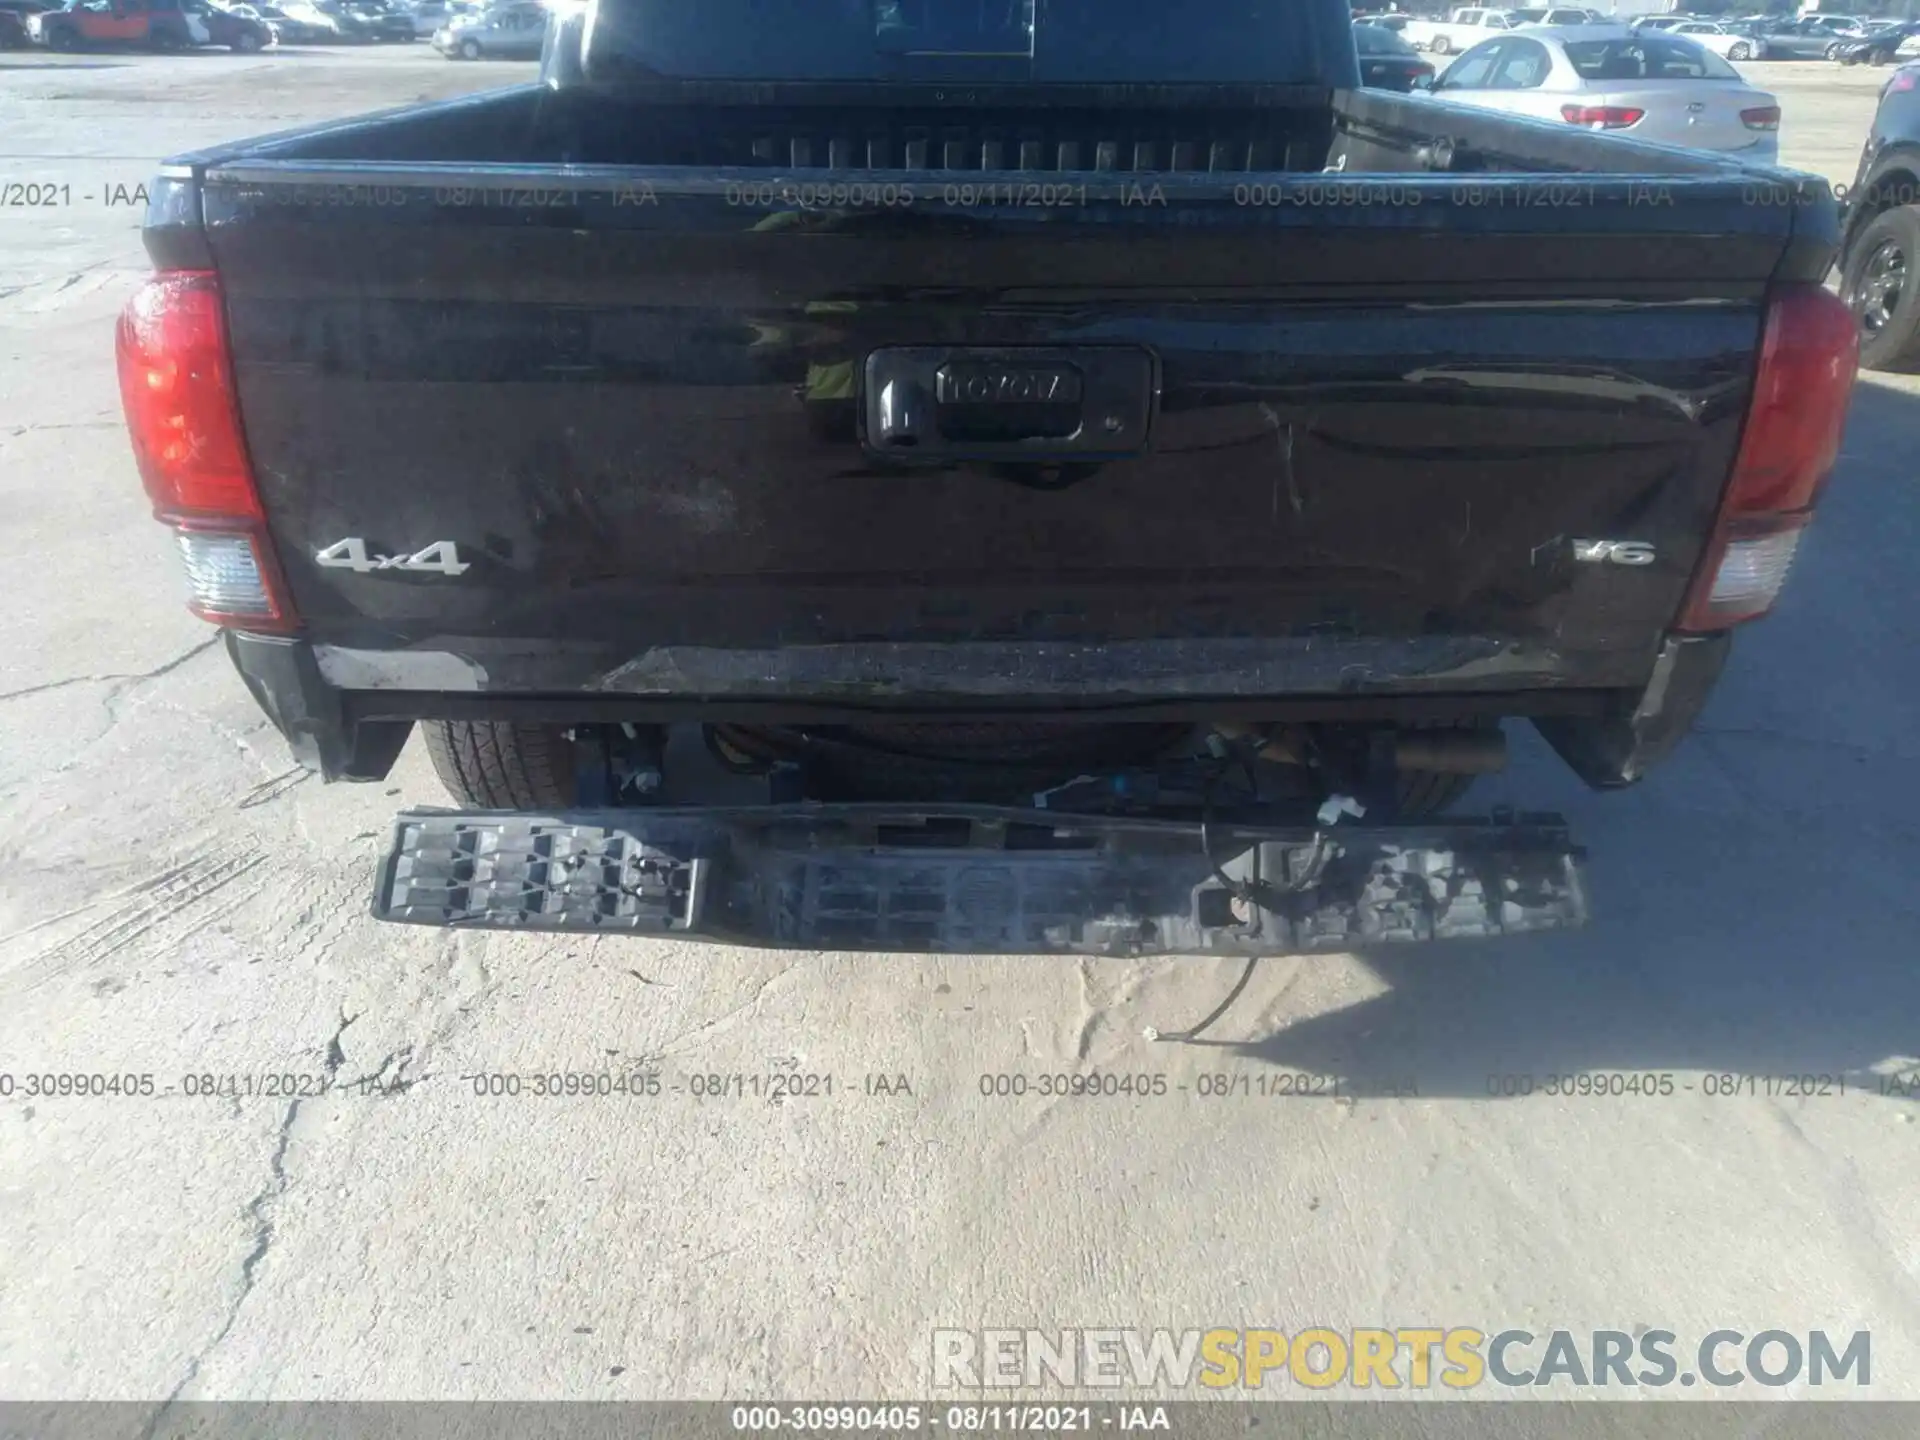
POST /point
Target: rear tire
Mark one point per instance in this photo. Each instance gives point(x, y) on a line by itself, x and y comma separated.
point(1879, 284)
point(246, 45)
point(1740, 52)
point(470, 50)
point(1440, 45)
point(496, 766)
point(63, 37)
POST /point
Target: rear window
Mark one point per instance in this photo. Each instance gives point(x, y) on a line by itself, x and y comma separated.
point(1646, 57)
point(1373, 40)
point(1069, 41)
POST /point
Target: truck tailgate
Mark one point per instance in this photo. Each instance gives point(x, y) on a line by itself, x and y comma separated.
point(636, 403)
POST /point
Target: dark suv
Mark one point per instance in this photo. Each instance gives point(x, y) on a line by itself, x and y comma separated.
point(1881, 231)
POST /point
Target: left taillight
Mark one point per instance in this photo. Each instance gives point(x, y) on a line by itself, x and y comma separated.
point(176, 386)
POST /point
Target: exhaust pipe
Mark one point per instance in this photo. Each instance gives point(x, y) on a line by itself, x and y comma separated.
point(1479, 751)
point(1451, 752)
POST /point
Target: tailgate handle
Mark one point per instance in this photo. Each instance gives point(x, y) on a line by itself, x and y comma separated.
point(940, 404)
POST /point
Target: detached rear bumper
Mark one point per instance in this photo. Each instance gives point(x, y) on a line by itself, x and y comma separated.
point(978, 880)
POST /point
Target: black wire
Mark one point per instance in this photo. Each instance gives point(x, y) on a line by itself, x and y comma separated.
point(1316, 867)
point(1218, 1010)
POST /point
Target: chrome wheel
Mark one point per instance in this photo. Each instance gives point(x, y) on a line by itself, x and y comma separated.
point(1883, 280)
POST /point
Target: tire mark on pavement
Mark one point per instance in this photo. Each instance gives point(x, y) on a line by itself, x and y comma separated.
point(141, 909)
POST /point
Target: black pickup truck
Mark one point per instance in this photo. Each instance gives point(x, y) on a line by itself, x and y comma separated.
point(1029, 476)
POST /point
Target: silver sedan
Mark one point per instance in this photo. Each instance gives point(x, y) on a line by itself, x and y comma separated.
point(1647, 84)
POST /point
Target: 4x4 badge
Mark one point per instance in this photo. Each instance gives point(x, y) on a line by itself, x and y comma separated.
point(442, 557)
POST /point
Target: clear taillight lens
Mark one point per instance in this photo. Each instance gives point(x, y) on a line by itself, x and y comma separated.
point(1750, 572)
point(224, 577)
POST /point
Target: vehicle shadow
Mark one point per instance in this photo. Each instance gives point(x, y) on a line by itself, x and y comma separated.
point(1755, 900)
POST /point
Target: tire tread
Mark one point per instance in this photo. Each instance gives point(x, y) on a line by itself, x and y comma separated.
point(498, 766)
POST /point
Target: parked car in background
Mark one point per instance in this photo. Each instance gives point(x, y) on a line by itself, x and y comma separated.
point(1386, 61)
point(1880, 232)
point(242, 34)
point(1727, 41)
point(1461, 30)
point(1557, 15)
point(1651, 86)
point(510, 32)
point(429, 15)
point(299, 22)
point(1658, 22)
point(1812, 37)
point(140, 24)
point(1883, 46)
point(368, 22)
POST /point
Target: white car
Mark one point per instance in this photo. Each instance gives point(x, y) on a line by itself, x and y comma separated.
point(1647, 84)
point(1723, 40)
point(310, 18)
point(1461, 30)
point(1557, 15)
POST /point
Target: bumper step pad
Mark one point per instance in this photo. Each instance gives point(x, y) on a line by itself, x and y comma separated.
point(978, 880)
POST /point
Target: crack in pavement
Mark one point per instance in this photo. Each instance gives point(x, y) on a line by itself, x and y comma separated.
point(377, 1079)
point(666, 1047)
point(122, 682)
point(256, 1213)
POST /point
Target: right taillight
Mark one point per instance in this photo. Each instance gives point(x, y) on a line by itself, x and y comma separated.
point(1602, 117)
point(176, 386)
point(1808, 356)
point(1761, 117)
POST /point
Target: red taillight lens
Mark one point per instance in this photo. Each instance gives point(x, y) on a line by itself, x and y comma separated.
point(1808, 357)
point(1761, 117)
point(1902, 80)
point(1605, 117)
point(176, 386)
point(177, 389)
